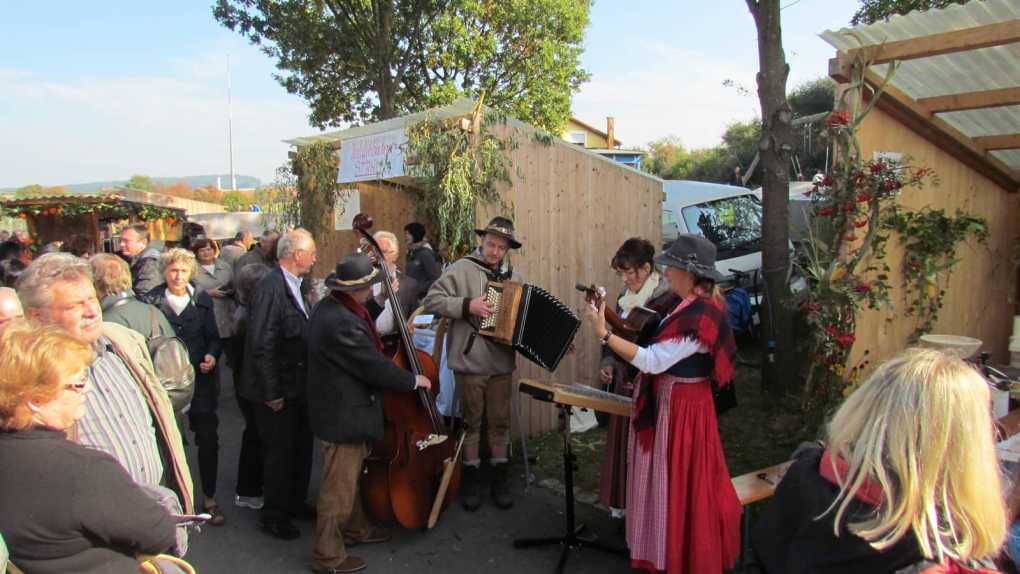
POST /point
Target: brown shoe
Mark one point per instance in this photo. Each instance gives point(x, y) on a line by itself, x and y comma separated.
point(374, 536)
point(351, 564)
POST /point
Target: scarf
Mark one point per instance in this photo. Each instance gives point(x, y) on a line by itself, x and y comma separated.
point(871, 493)
point(358, 309)
point(704, 320)
point(630, 299)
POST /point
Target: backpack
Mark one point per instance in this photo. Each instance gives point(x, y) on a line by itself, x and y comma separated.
point(172, 364)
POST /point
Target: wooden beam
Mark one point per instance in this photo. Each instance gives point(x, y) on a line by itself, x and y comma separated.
point(971, 100)
point(936, 130)
point(945, 43)
point(1004, 141)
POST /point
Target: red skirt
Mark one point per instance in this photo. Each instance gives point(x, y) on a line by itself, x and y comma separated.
point(702, 511)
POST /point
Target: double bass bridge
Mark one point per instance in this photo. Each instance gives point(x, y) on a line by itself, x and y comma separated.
point(432, 439)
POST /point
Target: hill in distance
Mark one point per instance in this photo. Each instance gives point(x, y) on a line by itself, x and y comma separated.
point(195, 181)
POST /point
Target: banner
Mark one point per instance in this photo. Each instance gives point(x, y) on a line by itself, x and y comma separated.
point(374, 157)
point(345, 207)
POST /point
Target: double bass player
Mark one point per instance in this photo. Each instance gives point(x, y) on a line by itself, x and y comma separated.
point(346, 408)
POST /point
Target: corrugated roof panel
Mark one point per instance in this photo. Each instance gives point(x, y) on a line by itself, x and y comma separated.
point(975, 70)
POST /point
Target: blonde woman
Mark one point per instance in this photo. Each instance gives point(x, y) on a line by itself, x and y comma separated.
point(909, 480)
point(189, 311)
point(66, 507)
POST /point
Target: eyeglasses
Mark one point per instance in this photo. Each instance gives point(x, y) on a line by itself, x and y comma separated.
point(79, 383)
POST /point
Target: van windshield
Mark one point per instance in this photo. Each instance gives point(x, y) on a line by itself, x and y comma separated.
point(733, 224)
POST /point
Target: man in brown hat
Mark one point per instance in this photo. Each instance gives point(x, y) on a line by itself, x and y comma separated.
point(346, 354)
point(482, 367)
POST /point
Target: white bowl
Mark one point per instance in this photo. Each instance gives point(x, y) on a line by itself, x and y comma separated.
point(963, 347)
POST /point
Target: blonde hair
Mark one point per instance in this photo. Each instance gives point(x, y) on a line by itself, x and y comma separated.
point(110, 274)
point(177, 255)
point(28, 372)
point(920, 427)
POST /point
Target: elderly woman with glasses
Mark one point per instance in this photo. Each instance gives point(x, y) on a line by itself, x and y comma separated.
point(66, 508)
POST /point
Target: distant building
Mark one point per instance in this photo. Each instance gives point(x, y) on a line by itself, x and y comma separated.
point(601, 142)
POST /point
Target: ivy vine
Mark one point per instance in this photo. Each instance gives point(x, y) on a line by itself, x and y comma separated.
point(458, 167)
point(315, 166)
point(930, 239)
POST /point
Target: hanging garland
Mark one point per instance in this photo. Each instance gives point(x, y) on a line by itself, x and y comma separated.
point(105, 209)
point(930, 238)
point(458, 169)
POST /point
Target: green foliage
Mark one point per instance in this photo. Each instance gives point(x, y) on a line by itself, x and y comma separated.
point(141, 182)
point(315, 166)
point(812, 97)
point(457, 171)
point(930, 238)
point(36, 190)
point(872, 11)
point(280, 205)
point(357, 61)
point(667, 158)
point(236, 201)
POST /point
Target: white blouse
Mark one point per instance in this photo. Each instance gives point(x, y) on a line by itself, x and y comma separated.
point(660, 356)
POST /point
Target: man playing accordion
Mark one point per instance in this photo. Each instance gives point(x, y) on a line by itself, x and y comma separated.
point(482, 367)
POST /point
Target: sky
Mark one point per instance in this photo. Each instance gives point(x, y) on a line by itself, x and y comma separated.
point(93, 91)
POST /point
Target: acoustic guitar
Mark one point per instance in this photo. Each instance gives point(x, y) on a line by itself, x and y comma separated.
point(638, 327)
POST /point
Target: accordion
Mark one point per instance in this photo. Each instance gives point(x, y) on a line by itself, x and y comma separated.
point(529, 319)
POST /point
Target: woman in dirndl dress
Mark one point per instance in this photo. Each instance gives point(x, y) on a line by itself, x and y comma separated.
point(683, 515)
point(643, 287)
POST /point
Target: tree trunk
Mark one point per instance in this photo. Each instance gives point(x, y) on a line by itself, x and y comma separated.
point(385, 83)
point(775, 146)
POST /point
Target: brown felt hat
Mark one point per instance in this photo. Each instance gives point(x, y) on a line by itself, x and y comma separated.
point(502, 227)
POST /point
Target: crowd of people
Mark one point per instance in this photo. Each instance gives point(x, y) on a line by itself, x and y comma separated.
point(905, 480)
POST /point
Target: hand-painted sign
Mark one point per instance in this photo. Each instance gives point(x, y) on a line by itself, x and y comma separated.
point(378, 156)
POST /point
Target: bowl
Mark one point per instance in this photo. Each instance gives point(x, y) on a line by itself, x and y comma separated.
point(963, 347)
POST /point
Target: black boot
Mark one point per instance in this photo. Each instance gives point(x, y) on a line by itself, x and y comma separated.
point(501, 486)
point(470, 489)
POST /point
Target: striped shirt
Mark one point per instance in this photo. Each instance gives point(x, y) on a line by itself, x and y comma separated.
point(117, 420)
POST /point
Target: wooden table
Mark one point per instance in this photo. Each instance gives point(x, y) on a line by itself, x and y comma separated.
point(759, 484)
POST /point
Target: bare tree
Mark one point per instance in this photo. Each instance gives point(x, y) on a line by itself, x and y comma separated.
point(775, 146)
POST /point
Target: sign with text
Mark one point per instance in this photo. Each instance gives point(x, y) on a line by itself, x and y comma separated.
point(347, 204)
point(367, 158)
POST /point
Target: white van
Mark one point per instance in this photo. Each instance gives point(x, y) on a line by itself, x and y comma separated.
point(729, 216)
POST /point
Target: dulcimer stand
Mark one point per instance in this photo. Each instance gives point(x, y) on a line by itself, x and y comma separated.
point(571, 539)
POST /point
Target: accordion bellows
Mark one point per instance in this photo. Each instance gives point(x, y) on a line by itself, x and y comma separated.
point(532, 321)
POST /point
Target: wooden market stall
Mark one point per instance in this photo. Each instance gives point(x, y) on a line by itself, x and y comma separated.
point(96, 216)
point(950, 105)
point(572, 209)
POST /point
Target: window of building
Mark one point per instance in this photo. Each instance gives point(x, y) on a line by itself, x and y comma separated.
point(579, 138)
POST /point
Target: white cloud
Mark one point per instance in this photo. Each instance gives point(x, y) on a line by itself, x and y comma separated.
point(160, 125)
point(669, 91)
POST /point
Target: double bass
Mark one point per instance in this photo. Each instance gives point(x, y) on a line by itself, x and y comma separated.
point(412, 472)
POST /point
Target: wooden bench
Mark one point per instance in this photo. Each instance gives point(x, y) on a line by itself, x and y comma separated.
point(753, 487)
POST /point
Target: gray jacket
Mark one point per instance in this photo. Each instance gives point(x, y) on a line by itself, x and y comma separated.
point(223, 307)
point(448, 297)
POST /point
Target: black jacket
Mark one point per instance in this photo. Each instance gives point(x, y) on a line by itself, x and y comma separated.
point(345, 405)
point(196, 325)
point(145, 275)
point(788, 540)
point(422, 267)
point(275, 353)
point(67, 508)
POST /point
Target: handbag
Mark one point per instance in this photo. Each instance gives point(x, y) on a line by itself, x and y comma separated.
point(172, 365)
